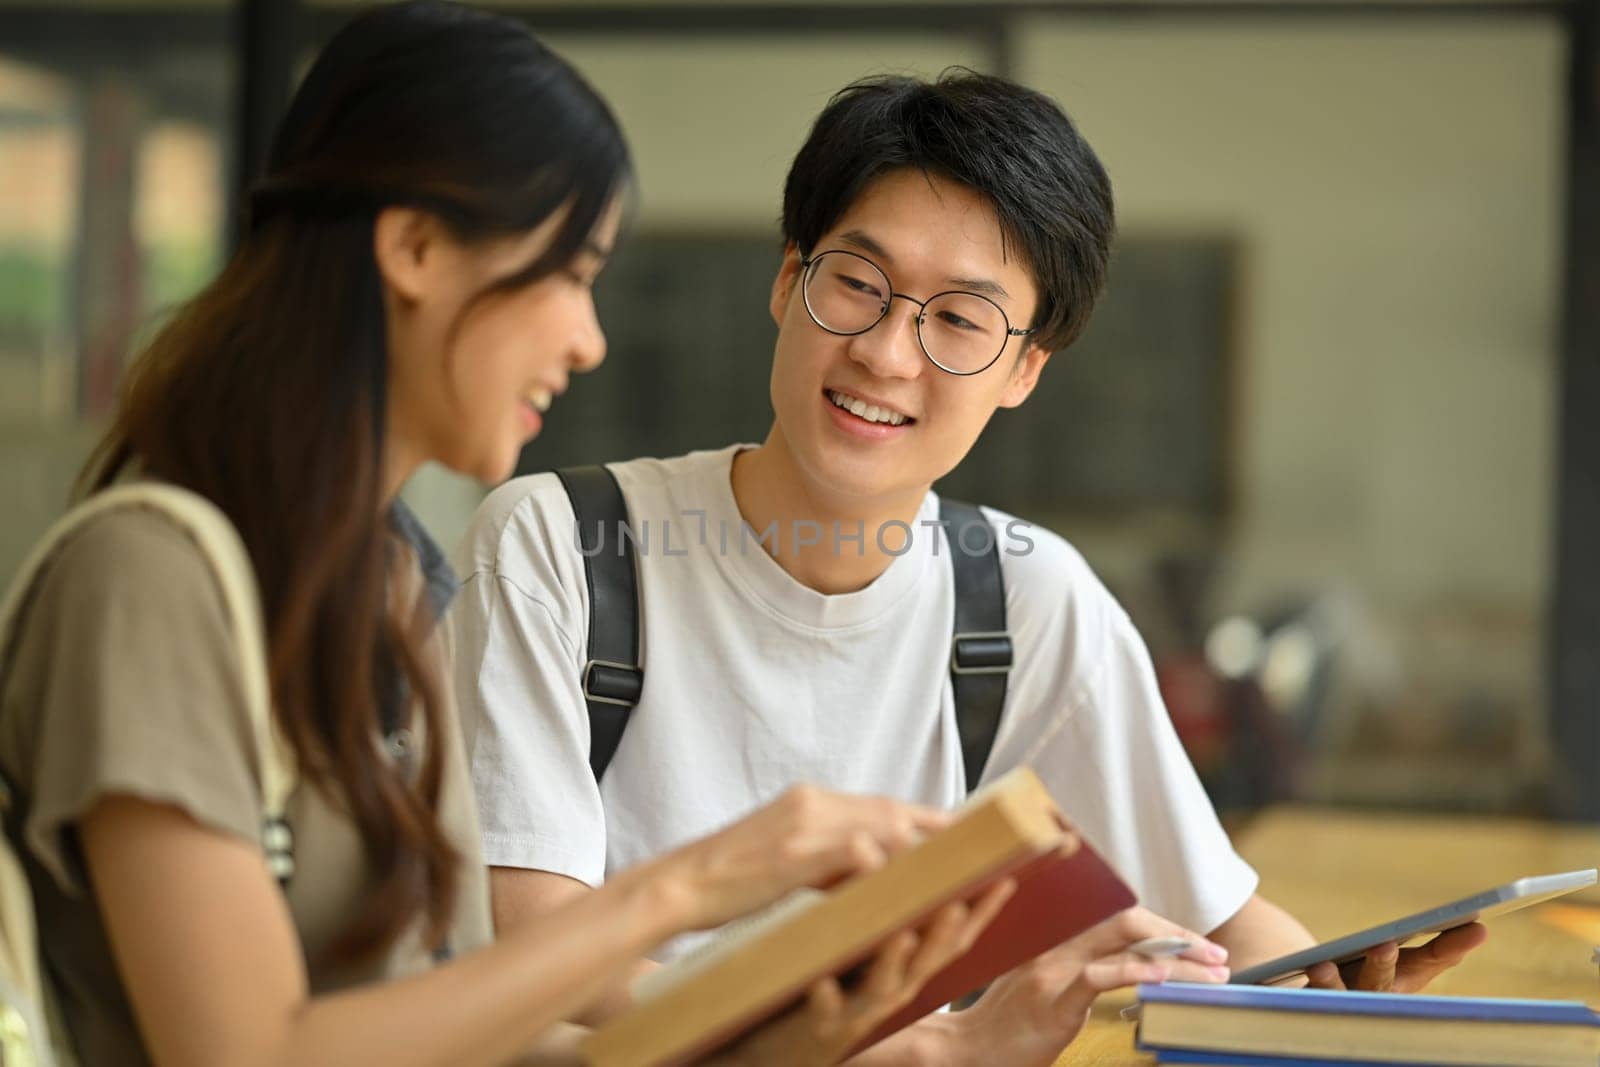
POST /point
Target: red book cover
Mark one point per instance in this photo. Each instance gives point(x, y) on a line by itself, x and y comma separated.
point(1011, 830)
point(1057, 897)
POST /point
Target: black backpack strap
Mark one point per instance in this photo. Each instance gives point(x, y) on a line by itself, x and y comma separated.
point(612, 678)
point(980, 648)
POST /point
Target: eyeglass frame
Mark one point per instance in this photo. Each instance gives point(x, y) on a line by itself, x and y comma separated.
point(922, 306)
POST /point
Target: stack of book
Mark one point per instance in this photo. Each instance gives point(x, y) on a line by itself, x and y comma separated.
point(1257, 1026)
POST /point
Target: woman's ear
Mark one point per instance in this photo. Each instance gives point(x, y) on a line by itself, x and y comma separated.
point(404, 244)
point(783, 285)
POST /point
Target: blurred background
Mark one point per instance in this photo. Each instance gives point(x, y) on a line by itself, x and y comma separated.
point(1331, 436)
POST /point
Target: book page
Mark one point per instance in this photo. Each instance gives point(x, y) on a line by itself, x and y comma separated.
point(728, 939)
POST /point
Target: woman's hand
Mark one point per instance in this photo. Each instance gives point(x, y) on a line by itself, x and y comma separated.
point(807, 837)
point(831, 1021)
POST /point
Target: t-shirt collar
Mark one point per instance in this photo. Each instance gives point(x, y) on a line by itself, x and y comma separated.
point(439, 576)
point(762, 578)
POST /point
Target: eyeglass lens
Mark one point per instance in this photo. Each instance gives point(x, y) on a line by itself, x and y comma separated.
point(847, 294)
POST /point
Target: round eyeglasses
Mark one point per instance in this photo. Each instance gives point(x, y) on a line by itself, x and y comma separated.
point(960, 332)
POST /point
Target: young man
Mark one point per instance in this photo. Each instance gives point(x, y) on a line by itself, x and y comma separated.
point(796, 597)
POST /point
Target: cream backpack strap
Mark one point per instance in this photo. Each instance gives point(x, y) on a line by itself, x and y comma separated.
point(27, 1006)
point(230, 564)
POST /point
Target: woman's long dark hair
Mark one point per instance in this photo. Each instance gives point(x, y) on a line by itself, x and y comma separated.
point(267, 392)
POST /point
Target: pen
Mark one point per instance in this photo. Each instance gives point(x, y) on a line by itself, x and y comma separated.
point(1157, 947)
point(1154, 948)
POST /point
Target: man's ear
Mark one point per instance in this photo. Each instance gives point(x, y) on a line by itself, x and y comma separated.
point(1024, 376)
point(783, 285)
point(404, 243)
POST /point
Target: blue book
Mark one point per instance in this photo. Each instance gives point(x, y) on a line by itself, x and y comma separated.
point(1239, 1059)
point(1318, 1025)
point(1342, 1002)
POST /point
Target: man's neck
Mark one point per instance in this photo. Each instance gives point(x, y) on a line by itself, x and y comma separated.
point(829, 543)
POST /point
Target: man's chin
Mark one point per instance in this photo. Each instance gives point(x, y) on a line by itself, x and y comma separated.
point(863, 482)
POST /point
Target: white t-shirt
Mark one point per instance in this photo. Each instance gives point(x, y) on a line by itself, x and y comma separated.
point(754, 682)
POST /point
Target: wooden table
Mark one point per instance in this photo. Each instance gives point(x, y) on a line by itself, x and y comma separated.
point(1340, 871)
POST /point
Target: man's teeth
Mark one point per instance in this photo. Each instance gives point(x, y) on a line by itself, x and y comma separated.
point(863, 410)
point(539, 398)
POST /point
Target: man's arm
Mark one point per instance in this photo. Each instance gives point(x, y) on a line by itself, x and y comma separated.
point(519, 896)
point(1260, 931)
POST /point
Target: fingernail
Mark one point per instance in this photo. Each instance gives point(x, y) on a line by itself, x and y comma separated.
point(1221, 974)
point(1216, 953)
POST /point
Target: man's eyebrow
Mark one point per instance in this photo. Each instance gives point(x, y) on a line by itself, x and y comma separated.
point(865, 242)
point(986, 286)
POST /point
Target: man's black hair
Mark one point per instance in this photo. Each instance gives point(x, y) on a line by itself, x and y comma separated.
point(1011, 144)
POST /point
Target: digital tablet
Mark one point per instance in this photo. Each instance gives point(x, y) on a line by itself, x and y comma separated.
point(1509, 897)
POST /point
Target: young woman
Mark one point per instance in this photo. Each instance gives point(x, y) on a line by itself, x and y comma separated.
point(414, 285)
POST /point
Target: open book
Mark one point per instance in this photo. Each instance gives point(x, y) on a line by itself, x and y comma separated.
point(761, 967)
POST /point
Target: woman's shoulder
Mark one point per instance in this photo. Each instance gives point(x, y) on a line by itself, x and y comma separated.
point(128, 552)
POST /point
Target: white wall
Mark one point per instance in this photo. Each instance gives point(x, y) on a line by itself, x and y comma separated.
point(1396, 186)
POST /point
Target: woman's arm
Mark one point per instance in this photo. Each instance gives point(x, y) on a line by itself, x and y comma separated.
point(214, 968)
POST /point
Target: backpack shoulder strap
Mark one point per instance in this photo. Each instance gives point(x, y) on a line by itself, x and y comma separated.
point(235, 575)
point(612, 677)
point(980, 646)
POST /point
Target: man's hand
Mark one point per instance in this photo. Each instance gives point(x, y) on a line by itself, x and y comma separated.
point(1029, 1015)
point(1389, 968)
